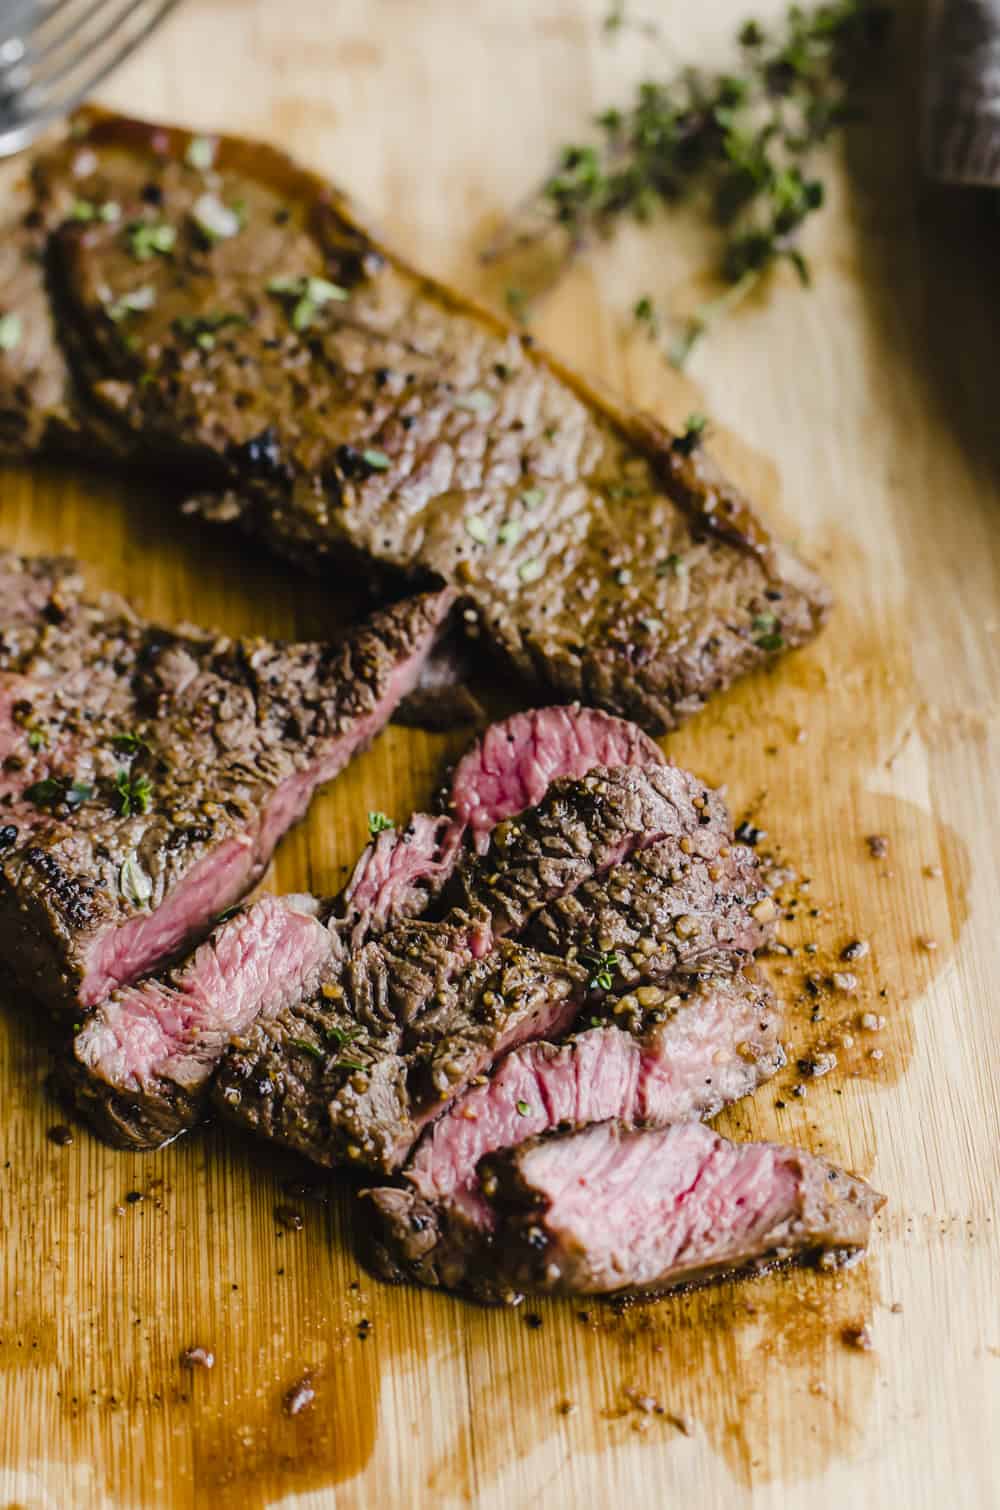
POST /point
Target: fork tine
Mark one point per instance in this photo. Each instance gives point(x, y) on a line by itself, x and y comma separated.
point(31, 57)
point(93, 45)
point(25, 112)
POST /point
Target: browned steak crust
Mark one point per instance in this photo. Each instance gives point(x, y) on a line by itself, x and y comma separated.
point(378, 415)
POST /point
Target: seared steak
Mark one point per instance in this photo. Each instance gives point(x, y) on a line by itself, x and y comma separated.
point(514, 763)
point(352, 1073)
point(398, 875)
point(580, 831)
point(605, 1210)
point(661, 911)
point(691, 1052)
point(142, 1061)
point(230, 317)
point(147, 774)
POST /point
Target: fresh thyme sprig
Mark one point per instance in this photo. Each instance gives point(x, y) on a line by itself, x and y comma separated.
point(740, 142)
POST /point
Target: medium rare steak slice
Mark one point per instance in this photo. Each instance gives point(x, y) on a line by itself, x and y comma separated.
point(708, 1043)
point(351, 1074)
point(142, 1061)
point(608, 1211)
point(513, 764)
point(237, 322)
point(398, 875)
point(661, 911)
point(583, 829)
point(509, 768)
point(148, 774)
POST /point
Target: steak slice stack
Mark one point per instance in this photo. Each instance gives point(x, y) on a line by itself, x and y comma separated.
point(224, 313)
point(609, 1211)
point(352, 1073)
point(148, 774)
point(686, 1055)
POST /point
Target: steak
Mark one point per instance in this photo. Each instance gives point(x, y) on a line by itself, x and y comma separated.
point(711, 1041)
point(225, 314)
point(609, 1211)
point(514, 763)
point(509, 768)
point(35, 586)
point(583, 829)
point(398, 875)
point(148, 774)
point(350, 1074)
point(142, 1061)
point(662, 911)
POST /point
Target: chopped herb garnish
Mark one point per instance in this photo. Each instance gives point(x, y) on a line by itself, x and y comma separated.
point(644, 313)
point(136, 302)
point(309, 295)
point(509, 533)
point(127, 744)
point(530, 571)
point(148, 240)
point(523, 1109)
point(348, 1064)
point(479, 401)
point(215, 220)
point(692, 435)
point(740, 142)
point(307, 1047)
point(200, 153)
point(378, 823)
point(478, 529)
point(203, 328)
point(132, 795)
point(602, 967)
point(11, 330)
point(133, 882)
point(517, 304)
point(85, 210)
point(377, 460)
point(341, 1036)
point(767, 632)
point(37, 739)
point(56, 789)
point(532, 497)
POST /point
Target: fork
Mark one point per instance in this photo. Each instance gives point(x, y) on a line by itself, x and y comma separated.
point(54, 52)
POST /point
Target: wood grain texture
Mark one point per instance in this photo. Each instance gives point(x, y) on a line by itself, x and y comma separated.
point(863, 417)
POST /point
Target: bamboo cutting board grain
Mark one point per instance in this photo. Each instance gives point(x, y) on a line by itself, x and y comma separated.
point(863, 417)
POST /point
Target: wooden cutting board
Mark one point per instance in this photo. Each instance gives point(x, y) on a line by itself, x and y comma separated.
point(863, 416)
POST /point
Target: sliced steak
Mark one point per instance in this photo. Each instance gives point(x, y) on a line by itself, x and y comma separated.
point(148, 775)
point(605, 1210)
point(514, 763)
point(581, 830)
point(661, 911)
point(710, 1042)
point(398, 876)
point(351, 1074)
point(142, 1061)
point(35, 586)
point(341, 405)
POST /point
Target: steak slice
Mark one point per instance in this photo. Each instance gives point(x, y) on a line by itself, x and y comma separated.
point(142, 1061)
point(581, 830)
point(148, 774)
point(514, 763)
point(340, 404)
point(608, 1211)
point(711, 1042)
point(661, 911)
point(352, 1073)
point(398, 875)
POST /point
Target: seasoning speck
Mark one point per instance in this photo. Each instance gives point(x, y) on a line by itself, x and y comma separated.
point(858, 1335)
point(299, 1397)
point(61, 1135)
point(532, 1320)
point(289, 1218)
point(878, 846)
point(197, 1357)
